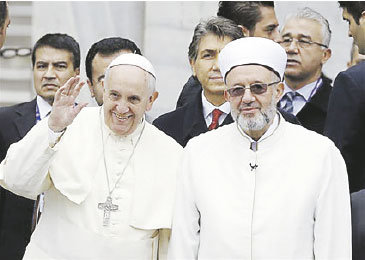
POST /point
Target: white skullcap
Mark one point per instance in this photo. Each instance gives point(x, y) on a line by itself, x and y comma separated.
point(134, 60)
point(252, 50)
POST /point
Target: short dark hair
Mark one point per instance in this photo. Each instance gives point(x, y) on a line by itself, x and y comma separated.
point(3, 13)
point(219, 26)
point(245, 13)
point(106, 47)
point(62, 42)
point(355, 8)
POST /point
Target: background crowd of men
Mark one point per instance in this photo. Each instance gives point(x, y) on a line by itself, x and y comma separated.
point(304, 98)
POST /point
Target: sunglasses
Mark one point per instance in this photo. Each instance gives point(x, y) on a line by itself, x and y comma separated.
point(255, 88)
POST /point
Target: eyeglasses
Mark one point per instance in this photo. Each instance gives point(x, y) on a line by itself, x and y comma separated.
point(301, 43)
point(9, 53)
point(255, 88)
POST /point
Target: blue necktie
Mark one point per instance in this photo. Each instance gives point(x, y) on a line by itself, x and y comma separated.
point(289, 97)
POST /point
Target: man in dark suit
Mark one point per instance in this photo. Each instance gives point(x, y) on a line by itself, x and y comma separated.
point(207, 109)
point(345, 123)
point(306, 37)
point(254, 18)
point(55, 59)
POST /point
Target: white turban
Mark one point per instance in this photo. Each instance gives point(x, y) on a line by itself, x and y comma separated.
point(134, 60)
point(252, 50)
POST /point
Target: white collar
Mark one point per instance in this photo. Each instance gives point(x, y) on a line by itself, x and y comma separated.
point(132, 138)
point(268, 132)
point(43, 107)
point(307, 91)
point(209, 107)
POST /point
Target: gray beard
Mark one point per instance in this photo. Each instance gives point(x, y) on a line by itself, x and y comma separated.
point(259, 121)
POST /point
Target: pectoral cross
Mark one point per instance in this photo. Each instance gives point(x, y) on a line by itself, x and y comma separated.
point(107, 206)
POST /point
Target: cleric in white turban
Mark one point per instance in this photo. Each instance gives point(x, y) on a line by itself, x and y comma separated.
point(260, 188)
point(107, 175)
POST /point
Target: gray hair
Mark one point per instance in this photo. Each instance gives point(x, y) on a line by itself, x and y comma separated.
point(308, 13)
point(151, 80)
point(219, 26)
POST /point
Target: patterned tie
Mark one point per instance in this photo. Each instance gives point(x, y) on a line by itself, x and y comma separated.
point(216, 114)
point(289, 96)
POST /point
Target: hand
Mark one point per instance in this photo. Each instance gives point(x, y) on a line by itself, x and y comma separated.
point(64, 109)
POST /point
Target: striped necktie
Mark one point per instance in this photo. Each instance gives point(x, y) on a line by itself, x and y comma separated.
point(289, 97)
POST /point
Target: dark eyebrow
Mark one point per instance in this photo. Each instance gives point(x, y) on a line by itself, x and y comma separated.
point(60, 63)
point(210, 51)
point(101, 77)
point(271, 27)
point(299, 36)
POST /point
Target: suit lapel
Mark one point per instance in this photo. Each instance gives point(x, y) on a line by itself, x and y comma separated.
point(26, 117)
point(194, 122)
point(320, 100)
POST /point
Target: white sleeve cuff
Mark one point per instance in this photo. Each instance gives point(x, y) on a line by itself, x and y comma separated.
point(54, 137)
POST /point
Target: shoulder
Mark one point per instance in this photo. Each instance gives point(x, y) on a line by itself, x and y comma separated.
point(354, 73)
point(160, 138)
point(358, 199)
point(302, 137)
point(172, 121)
point(170, 117)
point(9, 113)
point(213, 140)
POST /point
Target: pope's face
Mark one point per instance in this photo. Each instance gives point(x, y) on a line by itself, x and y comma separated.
point(98, 67)
point(52, 68)
point(254, 112)
point(356, 31)
point(126, 98)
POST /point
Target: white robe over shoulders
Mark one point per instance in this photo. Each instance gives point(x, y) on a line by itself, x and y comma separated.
point(293, 205)
point(73, 179)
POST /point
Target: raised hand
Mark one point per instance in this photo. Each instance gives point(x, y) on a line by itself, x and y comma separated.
point(64, 109)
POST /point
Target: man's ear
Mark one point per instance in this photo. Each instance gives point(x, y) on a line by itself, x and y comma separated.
point(327, 53)
point(91, 88)
point(245, 31)
point(152, 99)
point(279, 91)
point(226, 95)
point(192, 65)
point(77, 71)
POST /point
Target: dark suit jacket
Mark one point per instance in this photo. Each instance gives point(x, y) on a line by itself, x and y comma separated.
point(191, 88)
point(313, 115)
point(15, 212)
point(186, 122)
point(358, 225)
point(345, 124)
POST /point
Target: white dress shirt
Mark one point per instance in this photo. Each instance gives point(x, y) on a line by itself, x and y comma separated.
point(208, 110)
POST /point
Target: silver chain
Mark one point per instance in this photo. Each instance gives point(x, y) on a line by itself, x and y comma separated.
point(126, 165)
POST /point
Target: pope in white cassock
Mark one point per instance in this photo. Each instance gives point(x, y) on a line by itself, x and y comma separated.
point(107, 175)
point(260, 188)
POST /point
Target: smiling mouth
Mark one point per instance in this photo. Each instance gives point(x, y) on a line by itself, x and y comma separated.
point(120, 117)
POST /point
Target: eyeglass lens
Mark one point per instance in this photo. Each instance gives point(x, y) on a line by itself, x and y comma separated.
point(256, 89)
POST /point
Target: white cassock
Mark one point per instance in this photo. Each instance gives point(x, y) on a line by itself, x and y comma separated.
point(294, 205)
point(73, 178)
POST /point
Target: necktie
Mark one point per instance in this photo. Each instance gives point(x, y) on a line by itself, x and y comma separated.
point(216, 114)
point(289, 96)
